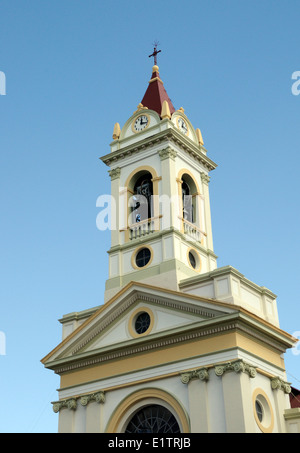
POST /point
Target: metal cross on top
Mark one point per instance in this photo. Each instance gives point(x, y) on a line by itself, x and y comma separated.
point(155, 52)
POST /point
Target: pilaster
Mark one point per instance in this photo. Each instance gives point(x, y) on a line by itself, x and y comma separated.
point(65, 421)
point(169, 188)
point(80, 414)
point(205, 180)
point(281, 390)
point(115, 205)
point(198, 399)
point(236, 391)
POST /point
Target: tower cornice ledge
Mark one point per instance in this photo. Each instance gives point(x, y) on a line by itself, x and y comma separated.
point(229, 285)
point(222, 271)
point(162, 137)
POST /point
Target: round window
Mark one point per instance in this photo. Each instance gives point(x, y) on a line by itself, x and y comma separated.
point(142, 323)
point(192, 260)
point(263, 412)
point(259, 410)
point(142, 257)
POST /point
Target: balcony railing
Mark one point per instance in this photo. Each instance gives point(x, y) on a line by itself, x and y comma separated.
point(140, 229)
point(148, 226)
point(194, 232)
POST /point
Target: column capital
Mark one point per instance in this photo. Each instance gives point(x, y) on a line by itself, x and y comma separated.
point(71, 403)
point(201, 374)
point(238, 366)
point(167, 153)
point(115, 173)
point(279, 384)
point(205, 178)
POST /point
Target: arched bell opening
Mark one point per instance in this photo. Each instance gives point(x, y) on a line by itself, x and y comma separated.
point(188, 198)
point(143, 209)
point(142, 198)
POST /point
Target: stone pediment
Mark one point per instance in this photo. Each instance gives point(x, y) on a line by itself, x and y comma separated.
point(176, 319)
point(111, 326)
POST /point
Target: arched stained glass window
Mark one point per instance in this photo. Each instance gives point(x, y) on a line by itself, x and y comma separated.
point(153, 419)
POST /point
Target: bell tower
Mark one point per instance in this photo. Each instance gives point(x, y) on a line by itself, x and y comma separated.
point(179, 345)
point(161, 228)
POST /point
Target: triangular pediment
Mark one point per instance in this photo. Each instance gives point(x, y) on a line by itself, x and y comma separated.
point(112, 325)
point(159, 317)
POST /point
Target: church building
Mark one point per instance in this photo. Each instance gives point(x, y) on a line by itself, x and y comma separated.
point(179, 345)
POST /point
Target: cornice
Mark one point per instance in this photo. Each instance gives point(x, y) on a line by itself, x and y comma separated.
point(161, 137)
point(140, 345)
point(292, 414)
point(138, 296)
point(157, 235)
point(79, 315)
point(202, 374)
point(252, 325)
point(225, 270)
point(234, 322)
point(258, 328)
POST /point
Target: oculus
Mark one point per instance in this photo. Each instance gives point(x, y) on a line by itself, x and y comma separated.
point(192, 260)
point(142, 322)
point(142, 257)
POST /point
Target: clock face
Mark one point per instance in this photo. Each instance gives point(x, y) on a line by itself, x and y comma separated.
point(140, 123)
point(182, 126)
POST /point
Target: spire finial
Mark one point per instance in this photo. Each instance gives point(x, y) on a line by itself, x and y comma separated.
point(155, 52)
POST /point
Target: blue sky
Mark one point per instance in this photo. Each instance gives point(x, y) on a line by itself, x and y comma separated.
point(73, 68)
